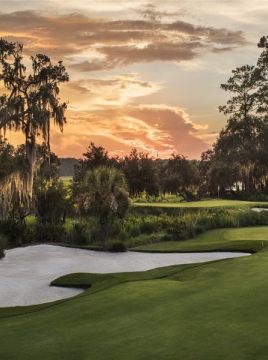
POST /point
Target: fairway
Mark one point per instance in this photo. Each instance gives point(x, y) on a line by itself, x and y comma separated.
point(201, 311)
point(199, 204)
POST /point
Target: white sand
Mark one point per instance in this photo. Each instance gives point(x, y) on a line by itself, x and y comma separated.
point(26, 273)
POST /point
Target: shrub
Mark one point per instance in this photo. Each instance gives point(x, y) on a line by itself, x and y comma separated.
point(14, 231)
point(134, 231)
point(79, 233)
point(116, 246)
point(123, 235)
point(49, 233)
point(2, 246)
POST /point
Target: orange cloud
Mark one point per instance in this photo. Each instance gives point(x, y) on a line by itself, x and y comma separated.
point(108, 44)
point(156, 129)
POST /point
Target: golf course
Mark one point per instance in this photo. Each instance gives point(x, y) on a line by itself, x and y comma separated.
point(212, 310)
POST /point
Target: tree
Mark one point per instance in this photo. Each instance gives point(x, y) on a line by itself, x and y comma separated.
point(239, 139)
point(33, 101)
point(141, 174)
point(50, 197)
point(12, 175)
point(103, 193)
point(93, 157)
point(180, 176)
point(206, 187)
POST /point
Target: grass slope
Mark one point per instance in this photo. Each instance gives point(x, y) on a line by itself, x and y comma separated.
point(198, 204)
point(212, 310)
point(250, 239)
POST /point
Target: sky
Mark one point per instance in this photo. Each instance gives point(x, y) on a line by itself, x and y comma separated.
point(143, 74)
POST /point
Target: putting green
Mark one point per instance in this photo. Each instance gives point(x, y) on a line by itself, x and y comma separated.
point(252, 233)
point(251, 239)
point(199, 204)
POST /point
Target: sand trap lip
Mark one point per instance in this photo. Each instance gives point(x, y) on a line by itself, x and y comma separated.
point(26, 273)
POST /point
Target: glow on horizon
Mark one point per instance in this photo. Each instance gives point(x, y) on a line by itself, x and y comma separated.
point(144, 75)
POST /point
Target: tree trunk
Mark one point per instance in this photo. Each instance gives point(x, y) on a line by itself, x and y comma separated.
point(31, 159)
point(104, 231)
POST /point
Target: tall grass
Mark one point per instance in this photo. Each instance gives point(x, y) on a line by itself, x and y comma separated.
point(143, 225)
point(152, 225)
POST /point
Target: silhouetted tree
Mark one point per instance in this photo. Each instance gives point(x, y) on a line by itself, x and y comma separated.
point(33, 101)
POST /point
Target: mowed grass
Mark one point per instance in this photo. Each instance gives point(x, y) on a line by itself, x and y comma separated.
point(207, 311)
point(199, 204)
point(250, 239)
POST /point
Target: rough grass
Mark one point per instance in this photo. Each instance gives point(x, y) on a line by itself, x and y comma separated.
point(205, 311)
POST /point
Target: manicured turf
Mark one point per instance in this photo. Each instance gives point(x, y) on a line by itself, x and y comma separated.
point(206, 311)
point(198, 204)
point(213, 310)
point(250, 239)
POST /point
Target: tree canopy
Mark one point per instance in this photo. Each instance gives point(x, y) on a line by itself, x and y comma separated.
point(32, 101)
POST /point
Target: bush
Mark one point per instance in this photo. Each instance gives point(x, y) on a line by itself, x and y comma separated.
point(14, 231)
point(79, 233)
point(116, 246)
point(2, 246)
point(134, 231)
point(49, 233)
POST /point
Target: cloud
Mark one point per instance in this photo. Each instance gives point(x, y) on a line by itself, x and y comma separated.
point(93, 44)
point(149, 11)
point(156, 129)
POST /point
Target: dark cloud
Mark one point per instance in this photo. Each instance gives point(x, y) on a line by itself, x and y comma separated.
point(149, 11)
point(120, 56)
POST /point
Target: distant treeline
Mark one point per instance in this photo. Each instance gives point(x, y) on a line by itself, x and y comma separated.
point(67, 166)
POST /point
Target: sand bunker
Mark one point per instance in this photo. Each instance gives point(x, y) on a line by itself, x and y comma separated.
point(26, 273)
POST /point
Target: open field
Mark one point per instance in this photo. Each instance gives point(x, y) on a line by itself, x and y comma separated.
point(204, 311)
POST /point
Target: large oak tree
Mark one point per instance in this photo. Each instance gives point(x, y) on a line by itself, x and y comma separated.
point(32, 101)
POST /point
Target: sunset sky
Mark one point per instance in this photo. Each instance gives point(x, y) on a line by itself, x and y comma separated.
point(143, 75)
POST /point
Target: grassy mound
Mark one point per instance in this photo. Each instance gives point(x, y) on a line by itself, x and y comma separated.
point(212, 310)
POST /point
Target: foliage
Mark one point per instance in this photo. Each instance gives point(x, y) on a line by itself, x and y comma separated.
point(52, 203)
point(12, 181)
point(186, 223)
point(2, 246)
point(242, 144)
point(104, 193)
point(79, 233)
point(94, 157)
point(141, 174)
point(180, 176)
point(14, 231)
point(116, 246)
point(32, 102)
point(47, 232)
